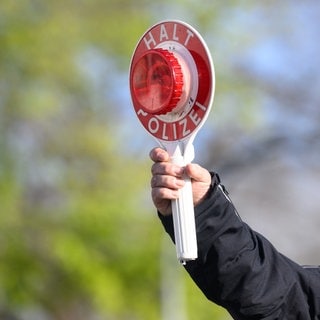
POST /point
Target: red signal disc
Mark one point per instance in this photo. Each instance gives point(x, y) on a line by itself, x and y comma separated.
point(171, 81)
point(157, 81)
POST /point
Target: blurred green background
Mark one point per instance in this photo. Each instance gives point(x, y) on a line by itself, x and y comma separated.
point(79, 237)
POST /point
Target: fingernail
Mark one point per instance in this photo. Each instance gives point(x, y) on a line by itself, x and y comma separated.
point(161, 156)
point(178, 171)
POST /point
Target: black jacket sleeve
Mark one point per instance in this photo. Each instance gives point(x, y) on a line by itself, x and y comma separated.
point(240, 270)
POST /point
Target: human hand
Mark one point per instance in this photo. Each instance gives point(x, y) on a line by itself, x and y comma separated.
point(168, 178)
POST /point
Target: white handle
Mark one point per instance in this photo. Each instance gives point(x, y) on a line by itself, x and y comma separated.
point(184, 225)
point(184, 220)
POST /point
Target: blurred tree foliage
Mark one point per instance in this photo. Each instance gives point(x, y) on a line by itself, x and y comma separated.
point(72, 230)
point(74, 218)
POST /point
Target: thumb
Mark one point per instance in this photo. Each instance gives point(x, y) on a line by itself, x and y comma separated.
point(198, 173)
point(201, 181)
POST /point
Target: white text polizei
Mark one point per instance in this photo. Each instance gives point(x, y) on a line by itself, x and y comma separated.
point(172, 130)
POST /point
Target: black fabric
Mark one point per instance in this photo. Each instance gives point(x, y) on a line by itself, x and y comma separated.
point(240, 270)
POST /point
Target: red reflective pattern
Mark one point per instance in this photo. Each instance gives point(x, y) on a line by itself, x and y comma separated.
point(157, 81)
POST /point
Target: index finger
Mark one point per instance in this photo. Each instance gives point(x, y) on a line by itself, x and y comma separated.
point(159, 155)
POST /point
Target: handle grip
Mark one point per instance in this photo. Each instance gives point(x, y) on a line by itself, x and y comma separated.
point(184, 220)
